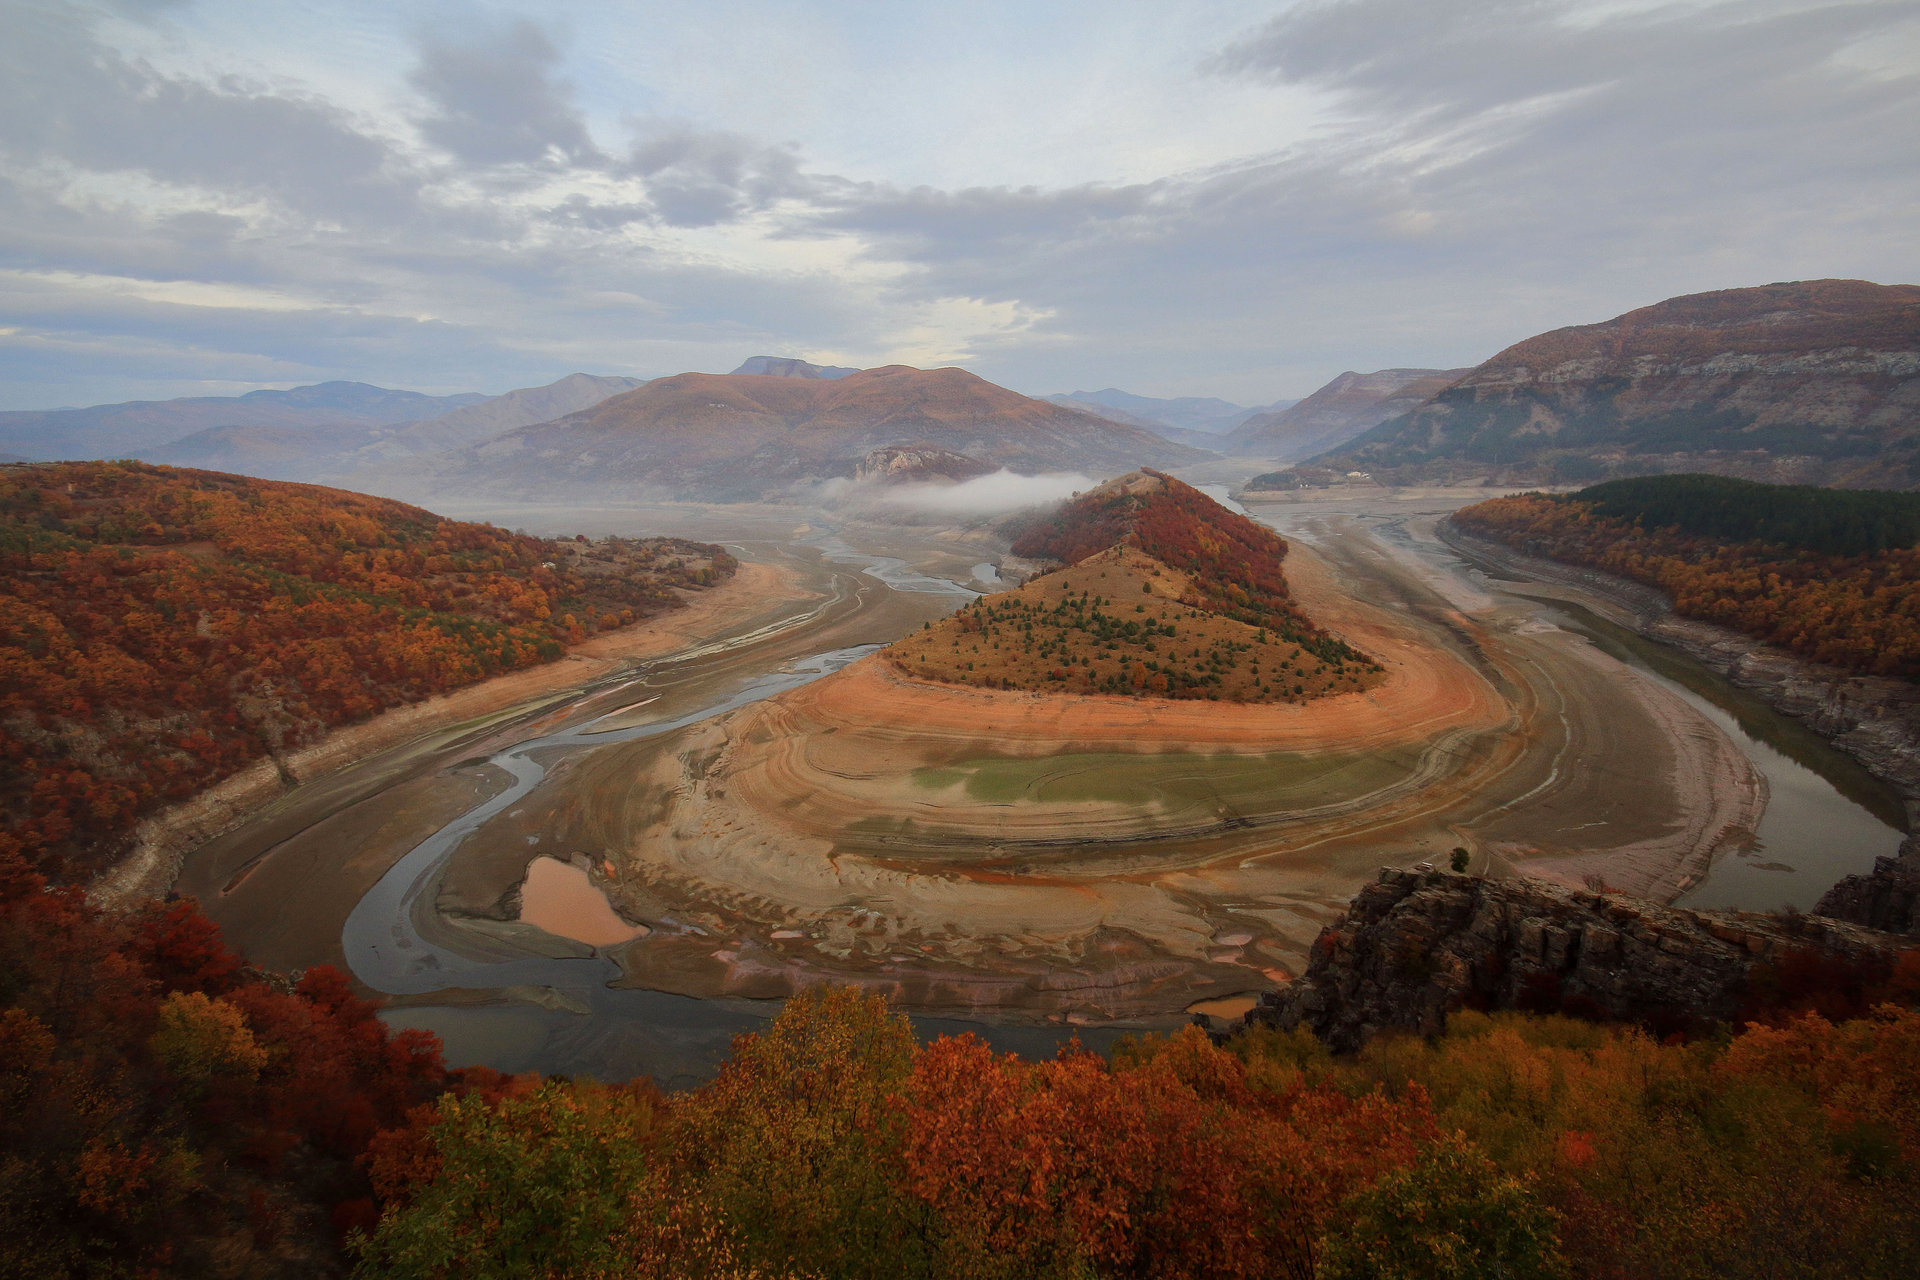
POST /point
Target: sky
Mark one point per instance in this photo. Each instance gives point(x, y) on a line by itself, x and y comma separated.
point(1174, 197)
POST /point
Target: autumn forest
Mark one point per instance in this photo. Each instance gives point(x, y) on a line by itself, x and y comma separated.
point(161, 628)
point(165, 1111)
point(1831, 576)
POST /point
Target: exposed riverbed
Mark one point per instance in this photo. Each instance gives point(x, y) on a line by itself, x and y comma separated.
point(412, 867)
point(1826, 817)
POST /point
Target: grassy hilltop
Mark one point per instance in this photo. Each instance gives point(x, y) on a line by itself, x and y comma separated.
point(1162, 593)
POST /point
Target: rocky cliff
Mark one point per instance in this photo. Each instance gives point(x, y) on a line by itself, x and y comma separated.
point(1417, 945)
point(1809, 382)
point(914, 463)
point(1887, 898)
point(789, 367)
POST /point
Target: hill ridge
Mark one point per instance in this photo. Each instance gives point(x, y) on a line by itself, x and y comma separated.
point(1805, 381)
point(1159, 592)
point(748, 435)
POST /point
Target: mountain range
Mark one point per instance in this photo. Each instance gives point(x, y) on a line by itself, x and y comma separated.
point(1207, 414)
point(745, 436)
point(1810, 381)
point(774, 421)
point(361, 451)
point(1349, 405)
point(143, 427)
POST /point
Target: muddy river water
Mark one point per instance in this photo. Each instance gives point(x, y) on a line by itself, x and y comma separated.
point(511, 995)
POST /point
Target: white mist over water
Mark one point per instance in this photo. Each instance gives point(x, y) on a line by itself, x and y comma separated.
point(990, 495)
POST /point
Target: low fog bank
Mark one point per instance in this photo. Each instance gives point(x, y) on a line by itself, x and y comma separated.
point(988, 495)
point(998, 494)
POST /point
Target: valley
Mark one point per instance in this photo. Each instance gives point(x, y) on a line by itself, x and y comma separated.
point(772, 804)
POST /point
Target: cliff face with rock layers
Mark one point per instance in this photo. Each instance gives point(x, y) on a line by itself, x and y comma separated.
point(1415, 946)
point(1808, 382)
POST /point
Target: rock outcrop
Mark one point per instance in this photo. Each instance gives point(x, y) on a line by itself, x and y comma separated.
point(1416, 945)
point(789, 367)
point(1811, 382)
point(1886, 898)
point(914, 463)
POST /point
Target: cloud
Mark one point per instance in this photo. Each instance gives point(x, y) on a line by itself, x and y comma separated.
point(1487, 170)
point(71, 102)
point(697, 178)
point(487, 205)
point(495, 100)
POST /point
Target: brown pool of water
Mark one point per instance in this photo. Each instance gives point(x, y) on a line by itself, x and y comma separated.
point(560, 898)
point(1227, 1007)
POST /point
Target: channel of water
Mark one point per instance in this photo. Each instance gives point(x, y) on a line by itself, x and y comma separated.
point(1826, 816)
point(523, 1011)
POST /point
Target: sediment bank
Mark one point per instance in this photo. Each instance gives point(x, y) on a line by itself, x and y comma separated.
point(162, 840)
point(1874, 719)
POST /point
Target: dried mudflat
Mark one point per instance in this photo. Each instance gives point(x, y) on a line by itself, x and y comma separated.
point(1092, 858)
point(1082, 859)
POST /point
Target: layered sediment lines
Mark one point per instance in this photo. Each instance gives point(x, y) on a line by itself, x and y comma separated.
point(874, 758)
point(956, 846)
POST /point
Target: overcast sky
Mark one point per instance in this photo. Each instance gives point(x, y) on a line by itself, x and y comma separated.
point(1176, 197)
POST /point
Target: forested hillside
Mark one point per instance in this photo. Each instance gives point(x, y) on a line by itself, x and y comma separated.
point(166, 1113)
point(1802, 517)
point(160, 628)
point(1830, 575)
point(1234, 566)
point(1514, 1146)
point(1162, 592)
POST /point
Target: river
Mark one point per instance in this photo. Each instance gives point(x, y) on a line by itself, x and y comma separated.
point(515, 1009)
point(1826, 816)
point(518, 1011)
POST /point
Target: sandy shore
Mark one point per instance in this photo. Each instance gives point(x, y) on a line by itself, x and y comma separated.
point(162, 840)
point(856, 746)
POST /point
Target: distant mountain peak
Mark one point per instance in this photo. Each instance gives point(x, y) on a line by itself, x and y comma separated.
point(788, 367)
point(741, 437)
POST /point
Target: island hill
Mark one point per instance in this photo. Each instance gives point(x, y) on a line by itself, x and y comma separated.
point(1161, 592)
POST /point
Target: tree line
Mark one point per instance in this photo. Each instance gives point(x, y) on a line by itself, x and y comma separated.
point(1858, 610)
point(1837, 522)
